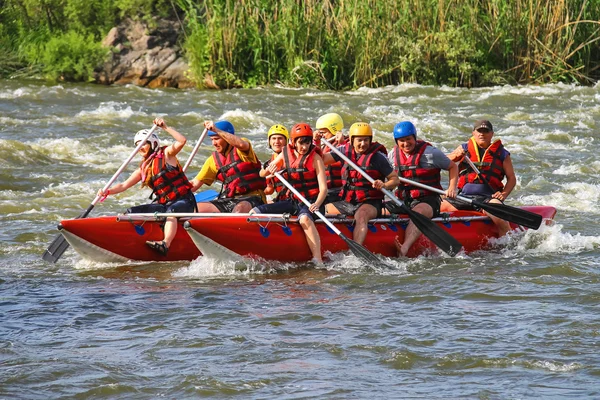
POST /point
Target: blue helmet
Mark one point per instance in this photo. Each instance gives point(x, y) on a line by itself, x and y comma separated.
point(224, 126)
point(404, 129)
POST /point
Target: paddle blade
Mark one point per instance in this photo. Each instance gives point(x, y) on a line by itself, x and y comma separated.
point(56, 249)
point(207, 195)
point(512, 214)
point(442, 239)
point(360, 251)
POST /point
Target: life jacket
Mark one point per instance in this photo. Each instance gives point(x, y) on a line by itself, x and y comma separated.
point(490, 166)
point(238, 177)
point(356, 187)
point(408, 168)
point(334, 171)
point(168, 183)
point(301, 171)
point(281, 192)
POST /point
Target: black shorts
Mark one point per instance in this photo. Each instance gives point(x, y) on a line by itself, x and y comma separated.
point(227, 205)
point(346, 208)
point(183, 205)
point(434, 201)
point(333, 195)
point(462, 205)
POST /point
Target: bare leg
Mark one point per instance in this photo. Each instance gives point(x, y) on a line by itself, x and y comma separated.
point(312, 237)
point(170, 230)
point(502, 225)
point(363, 215)
point(242, 207)
point(412, 232)
point(331, 209)
point(447, 207)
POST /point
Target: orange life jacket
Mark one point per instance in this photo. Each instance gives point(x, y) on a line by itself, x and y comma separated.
point(408, 168)
point(356, 187)
point(301, 171)
point(168, 183)
point(490, 166)
point(238, 177)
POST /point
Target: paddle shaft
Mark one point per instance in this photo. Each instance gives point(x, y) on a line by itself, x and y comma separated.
point(196, 148)
point(476, 170)
point(307, 203)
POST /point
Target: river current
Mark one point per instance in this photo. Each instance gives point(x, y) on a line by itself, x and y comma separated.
point(518, 321)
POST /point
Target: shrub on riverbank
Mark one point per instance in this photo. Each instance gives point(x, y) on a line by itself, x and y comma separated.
point(341, 44)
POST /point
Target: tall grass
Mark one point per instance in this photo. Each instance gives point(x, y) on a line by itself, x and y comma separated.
point(349, 43)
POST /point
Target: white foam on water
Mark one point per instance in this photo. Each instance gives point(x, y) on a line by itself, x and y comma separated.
point(110, 111)
point(206, 267)
point(556, 366)
point(547, 240)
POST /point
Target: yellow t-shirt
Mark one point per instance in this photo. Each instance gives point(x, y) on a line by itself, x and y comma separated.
point(208, 173)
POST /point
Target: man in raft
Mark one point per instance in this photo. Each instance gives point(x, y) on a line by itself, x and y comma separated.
point(278, 137)
point(494, 163)
point(420, 162)
point(305, 171)
point(329, 127)
point(235, 164)
point(358, 196)
point(160, 171)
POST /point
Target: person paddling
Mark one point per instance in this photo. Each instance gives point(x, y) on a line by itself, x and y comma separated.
point(420, 162)
point(329, 127)
point(302, 162)
point(493, 161)
point(235, 164)
point(278, 137)
point(358, 196)
point(160, 171)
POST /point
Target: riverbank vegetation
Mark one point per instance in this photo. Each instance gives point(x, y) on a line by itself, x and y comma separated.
point(333, 44)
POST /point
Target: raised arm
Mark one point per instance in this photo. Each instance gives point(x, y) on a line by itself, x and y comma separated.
point(233, 140)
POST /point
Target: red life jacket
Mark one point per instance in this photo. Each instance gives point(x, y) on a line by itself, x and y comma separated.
point(334, 171)
point(356, 187)
point(408, 168)
point(301, 171)
point(168, 183)
point(281, 192)
point(238, 177)
point(490, 166)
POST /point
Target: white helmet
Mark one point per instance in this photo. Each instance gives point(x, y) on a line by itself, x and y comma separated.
point(152, 139)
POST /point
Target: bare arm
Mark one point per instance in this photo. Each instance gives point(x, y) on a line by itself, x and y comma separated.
point(511, 180)
point(172, 150)
point(134, 178)
point(322, 179)
point(328, 159)
point(457, 154)
point(233, 140)
point(452, 191)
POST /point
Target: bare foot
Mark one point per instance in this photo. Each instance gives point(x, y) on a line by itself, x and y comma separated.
point(398, 246)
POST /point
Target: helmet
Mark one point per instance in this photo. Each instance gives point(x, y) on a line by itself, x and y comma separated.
point(331, 121)
point(152, 139)
point(404, 129)
point(360, 129)
point(224, 126)
point(301, 130)
point(278, 130)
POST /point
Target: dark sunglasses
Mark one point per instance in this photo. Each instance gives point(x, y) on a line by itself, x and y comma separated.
point(483, 130)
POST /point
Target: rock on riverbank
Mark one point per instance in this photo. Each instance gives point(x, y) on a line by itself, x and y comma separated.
point(144, 56)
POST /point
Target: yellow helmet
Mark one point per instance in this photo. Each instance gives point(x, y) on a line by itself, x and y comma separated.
point(331, 121)
point(360, 129)
point(278, 130)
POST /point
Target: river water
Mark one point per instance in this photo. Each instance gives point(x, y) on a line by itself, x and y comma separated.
point(518, 321)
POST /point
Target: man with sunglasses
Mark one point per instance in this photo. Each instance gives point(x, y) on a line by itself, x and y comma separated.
point(494, 164)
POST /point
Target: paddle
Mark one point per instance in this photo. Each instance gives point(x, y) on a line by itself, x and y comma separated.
point(430, 229)
point(356, 248)
point(206, 195)
point(196, 147)
point(60, 244)
point(502, 211)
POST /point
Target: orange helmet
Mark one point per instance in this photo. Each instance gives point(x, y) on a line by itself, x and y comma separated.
point(301, 130)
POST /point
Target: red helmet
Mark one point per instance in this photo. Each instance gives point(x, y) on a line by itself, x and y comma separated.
point(301, 130)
